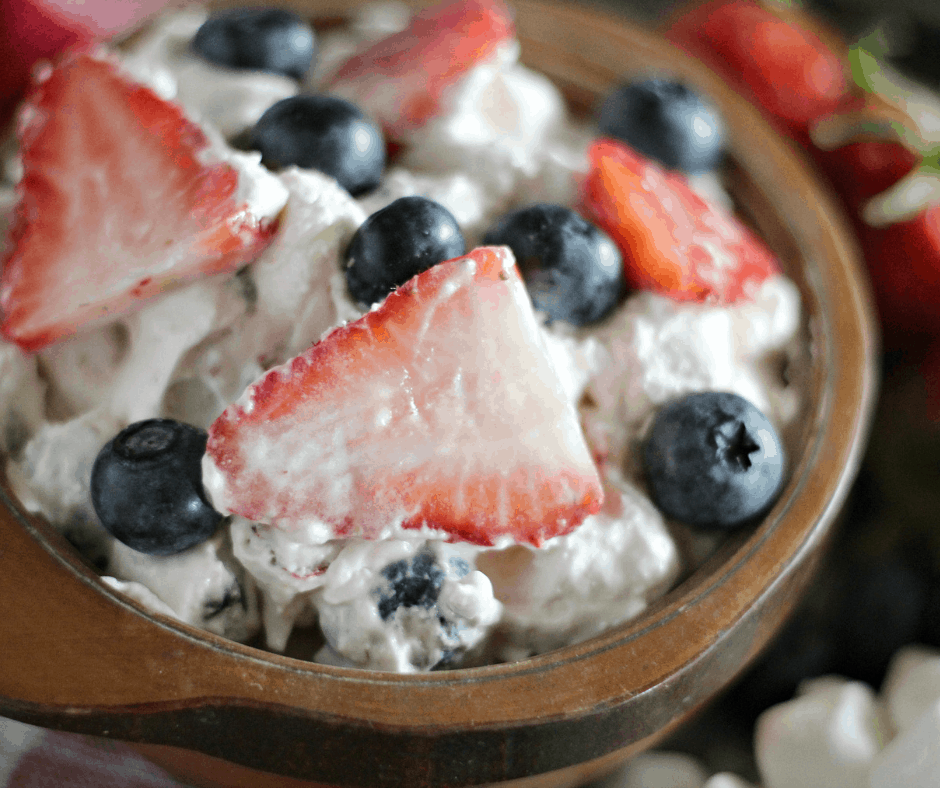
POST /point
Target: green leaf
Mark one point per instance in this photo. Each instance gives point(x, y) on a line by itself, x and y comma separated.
point(864, 66)
point(931, 161)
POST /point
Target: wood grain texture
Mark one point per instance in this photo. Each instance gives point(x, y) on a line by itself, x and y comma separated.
point(78, 657)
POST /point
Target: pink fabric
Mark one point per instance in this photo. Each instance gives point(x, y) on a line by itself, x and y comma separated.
point(33, 758)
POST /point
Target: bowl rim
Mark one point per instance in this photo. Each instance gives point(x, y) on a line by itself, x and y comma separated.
point(684, 647)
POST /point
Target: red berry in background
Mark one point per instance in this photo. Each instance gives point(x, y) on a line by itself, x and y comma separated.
point(818, 90)
point(903, 259)
point(778, 60)
point(860, 170)
point(904, 265)
point(31, 30)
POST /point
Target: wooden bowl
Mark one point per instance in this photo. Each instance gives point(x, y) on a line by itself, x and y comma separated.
point(79, 657)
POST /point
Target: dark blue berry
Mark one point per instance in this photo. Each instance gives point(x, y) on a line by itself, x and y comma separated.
point(713, 460)
point(414, 583)
point(573, 271)
point(265, 39)
point(322, 133)
point(665, 121)
point(146, 487)
point(398, 242)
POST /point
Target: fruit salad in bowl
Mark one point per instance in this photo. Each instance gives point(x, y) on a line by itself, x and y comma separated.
point(362, 348)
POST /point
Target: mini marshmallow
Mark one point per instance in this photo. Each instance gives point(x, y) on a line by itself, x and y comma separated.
point(911, 760)
point(912, 685)
point(826, 738)
point(726, 780)
point(660, 770)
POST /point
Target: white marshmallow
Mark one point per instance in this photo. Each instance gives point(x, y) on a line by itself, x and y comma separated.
point(912, 685)
point(726, 780)
point(826, 738)
point(912, 760)
point(660, 770)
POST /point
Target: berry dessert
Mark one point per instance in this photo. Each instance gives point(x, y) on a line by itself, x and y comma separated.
point(362, 348)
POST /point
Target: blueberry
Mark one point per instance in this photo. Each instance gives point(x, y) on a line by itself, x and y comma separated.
point(323, 133)
point(146, 487)
point(713, 460)
point(414, 583)
point(572, 270)
point(265, 39)
point(404, 238)
point(665, 121)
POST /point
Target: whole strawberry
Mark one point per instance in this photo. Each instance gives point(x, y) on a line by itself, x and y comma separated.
point(902, 257)
point(875, 154)
point(779, 59)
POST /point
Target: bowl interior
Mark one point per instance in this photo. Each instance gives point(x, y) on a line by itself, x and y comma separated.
point(86, 659)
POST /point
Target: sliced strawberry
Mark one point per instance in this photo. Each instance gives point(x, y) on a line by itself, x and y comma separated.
point(116, 204)
point(673, 242)
point(781, 59)
point(403, 79)
point(440, 409)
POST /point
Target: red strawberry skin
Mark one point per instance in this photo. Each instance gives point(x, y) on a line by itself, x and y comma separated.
point(115, 204)
point(672, 241)
point(860, 170)
point(778, 62)
point(438, 409)
point(415, 67)
point(903, 259)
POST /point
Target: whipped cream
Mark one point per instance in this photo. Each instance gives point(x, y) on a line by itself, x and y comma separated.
point(228, 100)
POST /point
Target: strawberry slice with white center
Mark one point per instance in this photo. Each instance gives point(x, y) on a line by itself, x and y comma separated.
point(672, 241)
point(439, 409)
point(121, 198)
point(404, 78)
